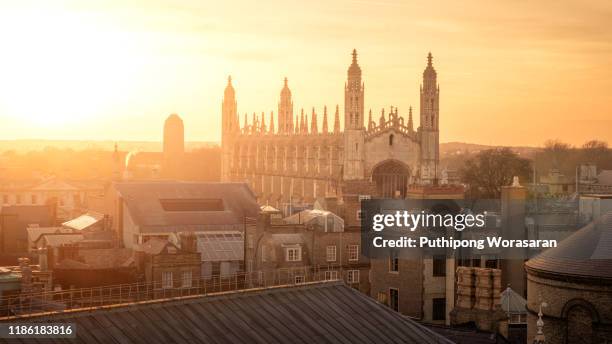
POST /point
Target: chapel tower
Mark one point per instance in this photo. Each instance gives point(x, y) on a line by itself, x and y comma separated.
point(354, 131)
point(429, 125)
point(229, 128)
point(285, 111)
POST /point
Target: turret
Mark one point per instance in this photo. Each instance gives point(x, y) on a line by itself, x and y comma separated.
point(229, 127)
point(325, 129)
point(314, 129)
point(285, 110)
point(354, 136)
point(337, 120)
point(429, 120)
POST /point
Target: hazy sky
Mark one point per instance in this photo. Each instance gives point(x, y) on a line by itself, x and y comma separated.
point(510, 72)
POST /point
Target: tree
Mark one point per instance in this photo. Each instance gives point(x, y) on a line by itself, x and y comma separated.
point(489, 170)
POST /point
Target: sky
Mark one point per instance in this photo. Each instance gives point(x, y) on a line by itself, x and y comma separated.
point(510, 72)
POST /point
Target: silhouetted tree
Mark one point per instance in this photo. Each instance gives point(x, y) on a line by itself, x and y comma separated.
point(491, 169)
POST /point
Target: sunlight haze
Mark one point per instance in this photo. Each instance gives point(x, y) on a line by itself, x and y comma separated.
point(114, 70)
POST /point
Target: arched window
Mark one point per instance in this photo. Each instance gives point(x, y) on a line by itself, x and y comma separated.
point(391, 140)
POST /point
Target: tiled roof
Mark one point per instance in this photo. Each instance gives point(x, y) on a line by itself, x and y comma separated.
point(327, 312)
point(59, 239)
point(143, 203)
point(587, 253)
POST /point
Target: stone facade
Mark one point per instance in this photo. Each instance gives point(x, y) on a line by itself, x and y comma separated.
point(298, 163)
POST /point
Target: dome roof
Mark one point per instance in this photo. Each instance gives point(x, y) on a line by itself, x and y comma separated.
point(587, 253)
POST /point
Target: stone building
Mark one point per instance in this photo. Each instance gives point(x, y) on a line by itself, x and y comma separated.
point(296, 162)
point(309, 245)
point(572, 286)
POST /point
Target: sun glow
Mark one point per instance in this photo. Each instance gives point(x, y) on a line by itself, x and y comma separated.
point(56, 66)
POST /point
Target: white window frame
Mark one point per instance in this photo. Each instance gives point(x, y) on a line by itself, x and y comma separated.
point(353, 253)
point(352, 276)
point(358, 215)
point(331, 253)
point(167, 281)
point(299, 279)
point(364, 197)
point(331, 275)
point(186, 279)
point(296, 256)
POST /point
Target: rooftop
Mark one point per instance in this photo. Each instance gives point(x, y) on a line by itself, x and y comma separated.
point(587, 253)
point(187, 206)
point(311, 312)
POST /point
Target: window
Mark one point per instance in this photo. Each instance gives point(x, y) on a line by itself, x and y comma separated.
point(393, 261)
point(518, 319)
point(34, 199)
point(439, 266)
point(331, 275)
point(299, 279)
point(353, 253)
point(364, 197)
point(391, 140)
point(352, 276)
point(186, 279)
point(394, 299)
point(382, 297)
point(293, 254)
point(438, 309)
point(331, 253)
point(167, 279)
point(491, 263)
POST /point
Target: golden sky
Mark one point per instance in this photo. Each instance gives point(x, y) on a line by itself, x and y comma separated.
point(510, 72)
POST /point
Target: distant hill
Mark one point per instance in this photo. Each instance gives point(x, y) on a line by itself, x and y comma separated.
point(455, 148)
point(21, 146)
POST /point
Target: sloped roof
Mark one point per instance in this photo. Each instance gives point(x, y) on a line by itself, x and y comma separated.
point(143, 200)
point(318, 217)
point(34, 233)
point(221, 246)
point(59, 239)
point(55, 185)
point(84, 221)
point(102, 258)
point(309, 313)
point(587, 253)
point(511, 302)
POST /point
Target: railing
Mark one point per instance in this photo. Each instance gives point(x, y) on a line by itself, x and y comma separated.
point(23, 304)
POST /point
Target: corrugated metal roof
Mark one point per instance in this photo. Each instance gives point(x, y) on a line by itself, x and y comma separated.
point(327, 312)
point(221, 246)
point(143, 203)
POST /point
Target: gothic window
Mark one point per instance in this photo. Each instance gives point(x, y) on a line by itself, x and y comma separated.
point(356, 147)
point(391, 140)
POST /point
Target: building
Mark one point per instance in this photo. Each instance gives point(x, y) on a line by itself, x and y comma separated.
point(67, 197)
point(306, 245)
point(307, 313)
point(144, 210)
point(572, 286)
point(295, 162)
point(14, 221)
point(166, 265)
